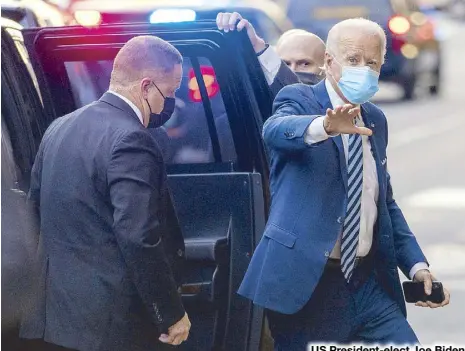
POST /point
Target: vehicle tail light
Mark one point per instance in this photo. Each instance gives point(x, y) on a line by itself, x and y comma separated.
point(88, 18)
point(209, 77)
point(399, 25)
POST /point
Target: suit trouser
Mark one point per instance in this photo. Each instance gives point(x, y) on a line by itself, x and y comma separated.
point(339, 312)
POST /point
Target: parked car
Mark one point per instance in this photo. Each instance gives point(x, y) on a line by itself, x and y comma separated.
point(413, 52)
point(435, 4)
point(33, 13)
point(222, 202)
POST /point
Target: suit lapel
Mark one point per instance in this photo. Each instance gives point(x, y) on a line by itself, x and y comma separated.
point(379, 167)
point(325, 102)
point(342, 159)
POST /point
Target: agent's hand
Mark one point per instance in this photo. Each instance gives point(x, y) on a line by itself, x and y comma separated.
point(427, 278)
point(341, 121)
point(177, 333)
point(227, 21)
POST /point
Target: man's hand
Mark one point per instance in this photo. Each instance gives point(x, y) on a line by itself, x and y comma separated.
point(427, 278)
point(227, 21)
point(341, 121)
point(178, 332)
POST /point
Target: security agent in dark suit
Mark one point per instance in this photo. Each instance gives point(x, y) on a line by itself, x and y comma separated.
point(110, 243)
point(297, 59)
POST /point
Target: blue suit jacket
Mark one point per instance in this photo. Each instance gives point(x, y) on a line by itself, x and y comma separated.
point(308, 189)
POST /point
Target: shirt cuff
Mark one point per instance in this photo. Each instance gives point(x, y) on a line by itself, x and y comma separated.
point(316, 131)
point(270, 63)
point(418, 267)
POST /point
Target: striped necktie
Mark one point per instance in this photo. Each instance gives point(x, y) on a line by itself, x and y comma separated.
point(350, 234)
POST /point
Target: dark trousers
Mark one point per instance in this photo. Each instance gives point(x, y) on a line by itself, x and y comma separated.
point(37, 345)
point(41, 345)
point(339, 312)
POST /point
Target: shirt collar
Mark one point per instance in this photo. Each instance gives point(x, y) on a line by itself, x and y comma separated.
point(131, 104)
point(333, 96)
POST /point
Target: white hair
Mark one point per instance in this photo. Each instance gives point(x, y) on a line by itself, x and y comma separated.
point(360, 24)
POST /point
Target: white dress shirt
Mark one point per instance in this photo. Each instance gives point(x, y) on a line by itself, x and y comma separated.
point(270, 63)
point(131, 104)
point(370, 188)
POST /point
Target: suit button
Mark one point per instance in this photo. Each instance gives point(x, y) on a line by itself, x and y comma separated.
point(340, 220)
point(180, 253)
point(326, 253)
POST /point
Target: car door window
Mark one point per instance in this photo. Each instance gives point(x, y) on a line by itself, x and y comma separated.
point(185, 138)
point(21, 106)
point(10, 169)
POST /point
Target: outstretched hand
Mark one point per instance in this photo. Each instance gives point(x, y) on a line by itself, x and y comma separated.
point(341, 121)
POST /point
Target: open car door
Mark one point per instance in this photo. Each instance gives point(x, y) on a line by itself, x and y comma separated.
point(212, 147)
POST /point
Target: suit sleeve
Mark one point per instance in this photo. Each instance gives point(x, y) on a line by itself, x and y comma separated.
point(408, 251)
point(277, 74)
point(135, 177)
point(36, 172)
point(293, 112)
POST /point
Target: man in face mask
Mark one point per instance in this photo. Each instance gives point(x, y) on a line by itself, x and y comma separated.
point(304, 53)
point(297, 58)
point(111, 246)
point(326, 267)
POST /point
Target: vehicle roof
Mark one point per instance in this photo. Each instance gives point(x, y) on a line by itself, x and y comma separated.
point(110, 6)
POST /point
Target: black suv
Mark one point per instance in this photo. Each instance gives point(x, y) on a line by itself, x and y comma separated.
point(219, 178)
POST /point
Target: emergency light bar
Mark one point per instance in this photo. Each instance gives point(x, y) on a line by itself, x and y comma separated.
point(172, 15)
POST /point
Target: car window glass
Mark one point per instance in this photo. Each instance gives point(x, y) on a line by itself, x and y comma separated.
point(185, 138)
point(9, 167)
point(25, 58)
point(269, 27)
point(413, 5)
point(400, 6)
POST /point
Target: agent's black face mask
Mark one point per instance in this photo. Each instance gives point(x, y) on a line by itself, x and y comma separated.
point(309, 78)
point(156, 120)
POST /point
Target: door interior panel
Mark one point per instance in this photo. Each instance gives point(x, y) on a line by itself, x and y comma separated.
point(216, 213)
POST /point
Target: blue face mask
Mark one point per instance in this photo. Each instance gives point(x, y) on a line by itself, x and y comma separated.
point(358, 84)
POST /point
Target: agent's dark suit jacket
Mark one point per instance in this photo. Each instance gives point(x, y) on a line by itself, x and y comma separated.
point(284, 77)
point(107, 220)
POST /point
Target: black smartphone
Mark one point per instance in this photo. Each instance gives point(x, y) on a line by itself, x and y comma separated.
point(415, 291)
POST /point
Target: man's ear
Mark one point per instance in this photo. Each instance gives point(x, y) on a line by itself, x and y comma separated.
point(328, 59)
point(144, 87)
